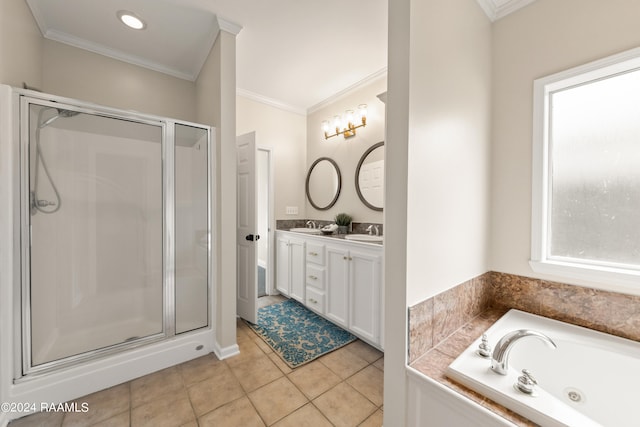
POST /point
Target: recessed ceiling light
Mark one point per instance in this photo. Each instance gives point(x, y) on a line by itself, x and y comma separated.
point(131, 20)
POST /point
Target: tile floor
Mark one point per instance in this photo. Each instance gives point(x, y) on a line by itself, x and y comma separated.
point(254, 388)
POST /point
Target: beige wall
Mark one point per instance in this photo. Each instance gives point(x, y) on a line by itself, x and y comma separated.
point(80, 74)
point(286, 134)
point(71, 72)
point(449, 146)
point(347, 152)
point(216, 106)
point(544, 38)
point(20, 45)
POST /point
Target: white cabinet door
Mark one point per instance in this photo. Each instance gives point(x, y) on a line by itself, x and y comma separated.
point(296, 269)
point(337, 302)
point(282, 265)
point(364, 297)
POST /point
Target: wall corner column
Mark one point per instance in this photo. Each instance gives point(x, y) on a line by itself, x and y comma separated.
point(216, 98)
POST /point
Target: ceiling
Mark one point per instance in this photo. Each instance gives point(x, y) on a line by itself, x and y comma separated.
point(294, 54)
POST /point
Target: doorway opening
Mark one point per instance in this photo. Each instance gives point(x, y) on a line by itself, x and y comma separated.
point(266, 221)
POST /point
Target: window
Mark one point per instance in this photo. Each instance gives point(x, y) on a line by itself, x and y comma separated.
point(586, 172)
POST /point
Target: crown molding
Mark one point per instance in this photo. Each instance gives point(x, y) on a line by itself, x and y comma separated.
point(333, 98)
point(495, 12)
point(228, 26)
point(271, 102)
point(116, 54)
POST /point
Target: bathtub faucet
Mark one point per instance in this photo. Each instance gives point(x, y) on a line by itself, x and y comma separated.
point(500, 357)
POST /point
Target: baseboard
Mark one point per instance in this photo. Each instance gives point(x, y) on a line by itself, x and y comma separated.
point(225, 352)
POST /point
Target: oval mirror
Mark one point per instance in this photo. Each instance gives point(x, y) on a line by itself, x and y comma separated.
point(370, 177)
point(323, 183)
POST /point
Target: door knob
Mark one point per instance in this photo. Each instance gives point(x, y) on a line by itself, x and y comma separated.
point(251, 237)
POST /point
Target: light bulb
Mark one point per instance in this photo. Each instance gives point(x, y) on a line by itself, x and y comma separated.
point(362, 109)
point(348, 117)
point(337, 123)
point(131, 20)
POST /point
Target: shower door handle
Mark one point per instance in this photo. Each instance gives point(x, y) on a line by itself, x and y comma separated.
point(251, 237)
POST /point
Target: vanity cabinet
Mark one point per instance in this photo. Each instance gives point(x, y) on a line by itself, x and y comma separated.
point(353, 291)
point(342, 281)
point(290, 279)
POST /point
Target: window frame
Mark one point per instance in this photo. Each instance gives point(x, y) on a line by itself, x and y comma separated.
point(606, 275)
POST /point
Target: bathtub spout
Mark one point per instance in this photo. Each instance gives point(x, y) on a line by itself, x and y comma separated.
point(500, 357)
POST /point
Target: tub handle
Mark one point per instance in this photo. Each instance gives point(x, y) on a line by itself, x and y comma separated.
point(526, 383)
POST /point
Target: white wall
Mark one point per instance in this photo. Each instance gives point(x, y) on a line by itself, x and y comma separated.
point(541, 39)
point(20, 45)
point(449, 146)
point(286, 134)
point(438, 128)
point(395, 214)
point(347, 152)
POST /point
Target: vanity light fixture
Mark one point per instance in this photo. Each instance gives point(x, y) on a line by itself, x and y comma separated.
point(345, 125)
point(131, 20)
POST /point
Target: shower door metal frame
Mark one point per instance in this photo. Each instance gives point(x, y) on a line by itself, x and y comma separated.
point(24, 370)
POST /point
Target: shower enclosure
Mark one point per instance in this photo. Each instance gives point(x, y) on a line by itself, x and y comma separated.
point(114, 234)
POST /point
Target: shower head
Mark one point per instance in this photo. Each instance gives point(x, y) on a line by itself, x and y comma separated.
point(67, 113)
point(60, 113)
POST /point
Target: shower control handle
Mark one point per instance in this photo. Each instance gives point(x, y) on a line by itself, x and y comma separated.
point(41, 203)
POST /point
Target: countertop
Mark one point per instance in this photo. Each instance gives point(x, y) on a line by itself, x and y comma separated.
point(334, 236)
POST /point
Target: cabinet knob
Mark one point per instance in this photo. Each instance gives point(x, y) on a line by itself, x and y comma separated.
point(313, 253)
point(311, 300)
point(313, 277)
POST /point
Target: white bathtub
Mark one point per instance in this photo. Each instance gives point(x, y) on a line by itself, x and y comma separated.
point(590, 379)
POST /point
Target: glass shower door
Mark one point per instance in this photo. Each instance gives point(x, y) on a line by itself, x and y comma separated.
point(96, 232)
point(192, 225)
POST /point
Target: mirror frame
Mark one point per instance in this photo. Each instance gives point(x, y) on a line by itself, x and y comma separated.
point(335, 199)
point(357, 179)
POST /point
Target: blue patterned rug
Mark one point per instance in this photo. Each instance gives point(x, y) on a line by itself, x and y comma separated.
point(297, 334)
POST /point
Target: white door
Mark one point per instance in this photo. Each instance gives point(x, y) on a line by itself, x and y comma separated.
point(247, 249)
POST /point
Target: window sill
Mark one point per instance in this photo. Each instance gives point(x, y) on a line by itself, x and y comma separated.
point(606, 278)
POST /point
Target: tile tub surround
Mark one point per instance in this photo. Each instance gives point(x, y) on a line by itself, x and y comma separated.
point(610, 312)
point(436, 318)
point(441, 327)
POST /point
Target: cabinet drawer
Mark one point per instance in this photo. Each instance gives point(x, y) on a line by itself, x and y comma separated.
point(315, 300)
point(315, 276)
point(315, 253)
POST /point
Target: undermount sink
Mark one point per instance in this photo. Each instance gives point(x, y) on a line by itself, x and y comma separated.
point(364, 237)
point(306, 230)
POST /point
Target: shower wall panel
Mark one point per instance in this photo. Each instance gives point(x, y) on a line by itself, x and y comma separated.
point(96, 263)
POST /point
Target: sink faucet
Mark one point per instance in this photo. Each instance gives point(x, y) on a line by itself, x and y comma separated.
point(500, 357)
point(311, 224)
point(373, 228)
